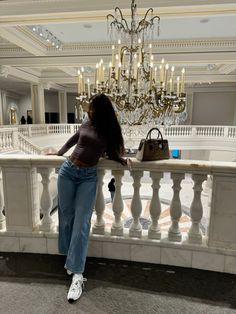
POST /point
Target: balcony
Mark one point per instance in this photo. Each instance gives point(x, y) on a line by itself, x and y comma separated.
point(149, 222)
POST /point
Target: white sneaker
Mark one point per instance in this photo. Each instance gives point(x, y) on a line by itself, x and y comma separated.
point(76, 288)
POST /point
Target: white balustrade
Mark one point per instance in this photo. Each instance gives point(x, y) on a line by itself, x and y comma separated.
point(46, 201)
point(26, 146)
point(196, 210)
point(117, 205)
point(99, 226)
point(136, 205)
point(20, 179)
point(174, 233)
point(7, 139)
point(154, 231)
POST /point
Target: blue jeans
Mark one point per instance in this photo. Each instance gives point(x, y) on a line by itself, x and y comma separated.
point(76, 200)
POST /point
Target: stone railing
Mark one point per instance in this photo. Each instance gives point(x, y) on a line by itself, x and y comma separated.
point(188, 137)
point(31, 130)
point(26, 146)
point(23, 231)
point(8, 139)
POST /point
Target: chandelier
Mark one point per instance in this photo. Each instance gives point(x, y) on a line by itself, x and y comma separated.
point(141, 90)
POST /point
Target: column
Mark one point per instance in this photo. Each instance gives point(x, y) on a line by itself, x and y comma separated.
point(62, 98)
point(1, 108)
point(5, 113)
point(189, 105)
point(38, 106)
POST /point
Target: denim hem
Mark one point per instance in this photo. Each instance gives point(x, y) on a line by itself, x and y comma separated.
point(74, 271)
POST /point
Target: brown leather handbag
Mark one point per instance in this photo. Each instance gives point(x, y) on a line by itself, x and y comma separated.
point(153, 149)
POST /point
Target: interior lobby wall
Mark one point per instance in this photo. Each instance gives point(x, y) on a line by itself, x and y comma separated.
point(209, 108)
point(214, 108)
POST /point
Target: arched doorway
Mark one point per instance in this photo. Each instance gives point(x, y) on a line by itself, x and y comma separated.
point(13, 116)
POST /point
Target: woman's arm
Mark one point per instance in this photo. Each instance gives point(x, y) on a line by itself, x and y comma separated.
point(71, 142)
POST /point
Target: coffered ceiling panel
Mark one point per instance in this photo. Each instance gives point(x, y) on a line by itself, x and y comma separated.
point(195, 34)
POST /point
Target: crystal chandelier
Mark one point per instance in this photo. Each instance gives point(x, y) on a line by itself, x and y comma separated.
point(141, 91)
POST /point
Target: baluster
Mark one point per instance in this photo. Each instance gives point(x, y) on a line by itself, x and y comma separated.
point(2, 217)
point(9, 139)
point(206, 185)
point(155, 206)
point(117, 206)
point(136, 206)
point(1, 141)
point(99, 226)
point(46, 200)
point(196, 211)
point(174, 233)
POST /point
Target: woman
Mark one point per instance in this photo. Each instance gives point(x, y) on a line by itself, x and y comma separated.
point(77, 184)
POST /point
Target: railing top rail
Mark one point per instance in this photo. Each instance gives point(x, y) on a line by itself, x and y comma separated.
point(171, 165)
point(8, 130)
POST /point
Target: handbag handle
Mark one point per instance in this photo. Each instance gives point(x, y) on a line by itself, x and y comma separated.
point(150, 131)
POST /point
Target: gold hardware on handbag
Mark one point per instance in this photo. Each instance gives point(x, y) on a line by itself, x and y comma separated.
point(153, 149)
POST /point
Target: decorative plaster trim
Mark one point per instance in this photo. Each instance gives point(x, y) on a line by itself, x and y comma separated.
point(23, 38)
point(228, 68)
point(160, 44)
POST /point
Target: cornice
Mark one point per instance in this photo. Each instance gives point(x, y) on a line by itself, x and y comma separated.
point(159, 45)
point(104, 47)
point(23, 37)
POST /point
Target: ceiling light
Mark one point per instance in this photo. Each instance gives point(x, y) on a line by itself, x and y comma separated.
point(87, 26)
point(47, 35)
point(143, 94)
point(205, 20)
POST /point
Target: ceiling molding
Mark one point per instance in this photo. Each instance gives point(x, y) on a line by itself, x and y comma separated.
point(163, 45)
point(51, 85)
point(14, 13)
point(227, 57)
point(69, 70)
point(227, 69)
point(101, 48)
point(23, 75)
point(4, 70)
point(23, 38)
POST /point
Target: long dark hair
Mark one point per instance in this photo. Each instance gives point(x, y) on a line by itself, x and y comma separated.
point(103, 118)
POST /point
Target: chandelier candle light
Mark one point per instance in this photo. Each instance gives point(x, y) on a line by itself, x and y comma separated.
point(142, 90)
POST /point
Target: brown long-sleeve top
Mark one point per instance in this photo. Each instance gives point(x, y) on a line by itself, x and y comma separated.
point(89, 146)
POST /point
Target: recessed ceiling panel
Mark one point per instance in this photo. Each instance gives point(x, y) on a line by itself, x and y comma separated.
point(176, 28)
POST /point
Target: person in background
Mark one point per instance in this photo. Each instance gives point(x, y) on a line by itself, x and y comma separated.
point(22, 120)
point(29, 120)
point(112, 188)
point(77, 180)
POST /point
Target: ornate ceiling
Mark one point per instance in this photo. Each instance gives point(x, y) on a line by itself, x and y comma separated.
point(194, 34)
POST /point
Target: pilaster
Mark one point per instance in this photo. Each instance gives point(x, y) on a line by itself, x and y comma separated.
point(62, 97)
